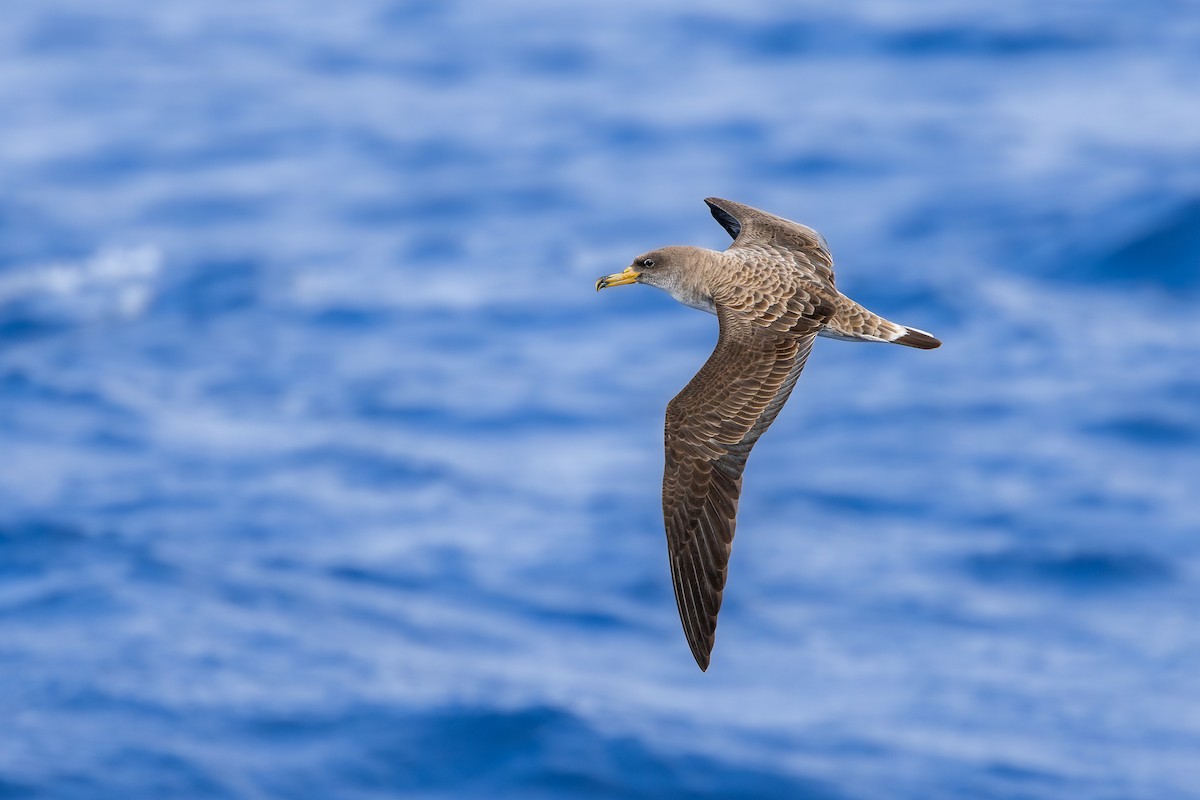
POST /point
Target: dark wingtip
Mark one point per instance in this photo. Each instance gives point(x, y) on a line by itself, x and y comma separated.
point(727, 220)
point(919, 340)
point(702, 652)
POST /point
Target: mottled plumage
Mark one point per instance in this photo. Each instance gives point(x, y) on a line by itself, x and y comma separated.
point(773, 293)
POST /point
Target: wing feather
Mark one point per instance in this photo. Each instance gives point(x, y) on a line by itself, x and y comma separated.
point(754, 230)
point(710, 427)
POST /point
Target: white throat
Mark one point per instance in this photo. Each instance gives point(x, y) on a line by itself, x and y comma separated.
point(704, 303)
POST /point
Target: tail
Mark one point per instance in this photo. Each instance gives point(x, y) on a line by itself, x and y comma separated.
point(851, 322)
point(918, 339)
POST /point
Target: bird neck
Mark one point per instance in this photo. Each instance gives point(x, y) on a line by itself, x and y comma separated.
point(692, 286)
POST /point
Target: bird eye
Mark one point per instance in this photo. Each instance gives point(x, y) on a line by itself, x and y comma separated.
point(647, 262)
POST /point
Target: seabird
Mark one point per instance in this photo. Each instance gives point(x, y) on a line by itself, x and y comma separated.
point(773, 293)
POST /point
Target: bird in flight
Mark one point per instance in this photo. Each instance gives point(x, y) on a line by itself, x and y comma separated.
point(773, 294)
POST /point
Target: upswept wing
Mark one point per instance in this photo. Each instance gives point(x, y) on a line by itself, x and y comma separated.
point(752, 229)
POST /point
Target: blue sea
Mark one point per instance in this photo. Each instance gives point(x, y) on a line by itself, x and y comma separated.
point(325, 472)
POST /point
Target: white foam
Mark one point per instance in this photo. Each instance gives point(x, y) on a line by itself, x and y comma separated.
point(117, 280)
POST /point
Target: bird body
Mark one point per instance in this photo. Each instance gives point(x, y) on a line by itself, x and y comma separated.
point(773, 293)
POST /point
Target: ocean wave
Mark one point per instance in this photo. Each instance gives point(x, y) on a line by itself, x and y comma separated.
point(117, 282)
point(1073, 570)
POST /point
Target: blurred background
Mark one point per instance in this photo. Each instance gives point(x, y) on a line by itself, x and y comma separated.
point(324, 472)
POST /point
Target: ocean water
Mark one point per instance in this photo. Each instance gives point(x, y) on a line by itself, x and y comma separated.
point(325, 473)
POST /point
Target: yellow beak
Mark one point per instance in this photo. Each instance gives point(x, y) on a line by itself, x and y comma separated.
point(618, 279)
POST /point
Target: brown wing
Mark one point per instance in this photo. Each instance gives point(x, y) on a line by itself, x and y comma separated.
point(711, 427)
point(757, 230)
